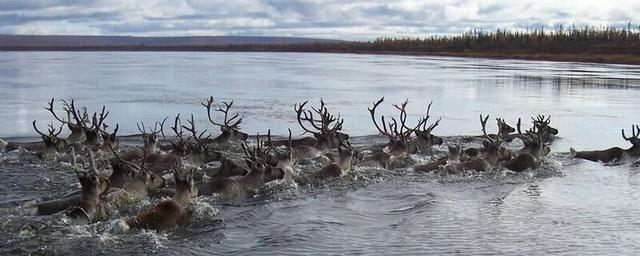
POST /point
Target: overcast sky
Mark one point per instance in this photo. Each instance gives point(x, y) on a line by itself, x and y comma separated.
point(359, 20)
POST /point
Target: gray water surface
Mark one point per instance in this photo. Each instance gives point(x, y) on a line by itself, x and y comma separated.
point(578, 208)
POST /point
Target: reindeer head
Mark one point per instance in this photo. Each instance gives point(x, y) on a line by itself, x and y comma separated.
point(278, 157)
point(185, 182)
point(133, 177)
point(230, 128)
point(76, 124)
point(504, 130)
point(94, 131)
point(181, 146)
point(198, 150)
point(52, 143)
point(109, 139)
point(455, 153)
point(541, 122)
point(150, 136)
point(266, 172)
point(492, 150)
point(326, 129)
point(92, 184)
point(262, 162)
point(348, 156)
point(635, 136)
point(533, 140)
point(424, 134)
point(399, 134)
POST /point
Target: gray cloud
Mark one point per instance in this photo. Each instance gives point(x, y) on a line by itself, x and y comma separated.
point(317, 18)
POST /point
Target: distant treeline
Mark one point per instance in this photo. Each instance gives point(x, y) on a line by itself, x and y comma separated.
point(559, 40)
point(596, 44)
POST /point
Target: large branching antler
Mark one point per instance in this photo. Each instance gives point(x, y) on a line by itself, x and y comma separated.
point(51, 130)
point(425, 120)
point(326, 124)
point(158, 127)
point(392, 129)
point(49, 108)
point(195, 135)
point(233, 122)
point(534, 135)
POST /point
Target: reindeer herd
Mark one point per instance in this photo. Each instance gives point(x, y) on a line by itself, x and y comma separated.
point(191, 162)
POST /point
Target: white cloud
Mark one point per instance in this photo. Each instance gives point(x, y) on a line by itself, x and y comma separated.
point(323, 18)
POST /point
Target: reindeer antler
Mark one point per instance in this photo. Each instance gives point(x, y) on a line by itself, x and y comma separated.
point(635, 133)
point(194, 133)
point(326, 124)
point(233, 122)
point(426, 119)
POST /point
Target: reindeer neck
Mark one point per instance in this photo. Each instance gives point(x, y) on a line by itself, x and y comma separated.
point(223, 138)
point(634, 149)
point(182, 197)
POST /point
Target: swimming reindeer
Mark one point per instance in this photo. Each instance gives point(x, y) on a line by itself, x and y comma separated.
point(75, 125)
point(230, 127)
point(614, 154)
point(326, 128)
point(261, 170)
point(492, 150)
point(169, 213)
point(424, 136)
point(542, 123)
point(533, 151)
point(52, 143)
point(93, 186)
point(400, 143)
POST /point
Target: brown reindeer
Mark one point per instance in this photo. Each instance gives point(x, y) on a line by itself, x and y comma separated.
point(109, 140)
point(52, 143)
point(534, 140)
point(457, 161)
point(168, 214)
point(399, 135)
point(492, 150)
point(534, 149)
point(200, 152)
point(93, 132)
point(542, 123)
point(150, 137)
point(424, 137)
point(346, 160)
point(230, 127)
point(326, 128)
point(150, 150)
point(504, 131)
point(75, 125)
point(135, 179)
point(93, 186)
point(261, 171)
point(615, 153)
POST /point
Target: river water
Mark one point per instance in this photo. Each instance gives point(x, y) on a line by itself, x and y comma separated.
point(578, 207)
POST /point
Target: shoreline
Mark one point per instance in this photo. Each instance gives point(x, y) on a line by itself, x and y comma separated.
point(603, 58)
